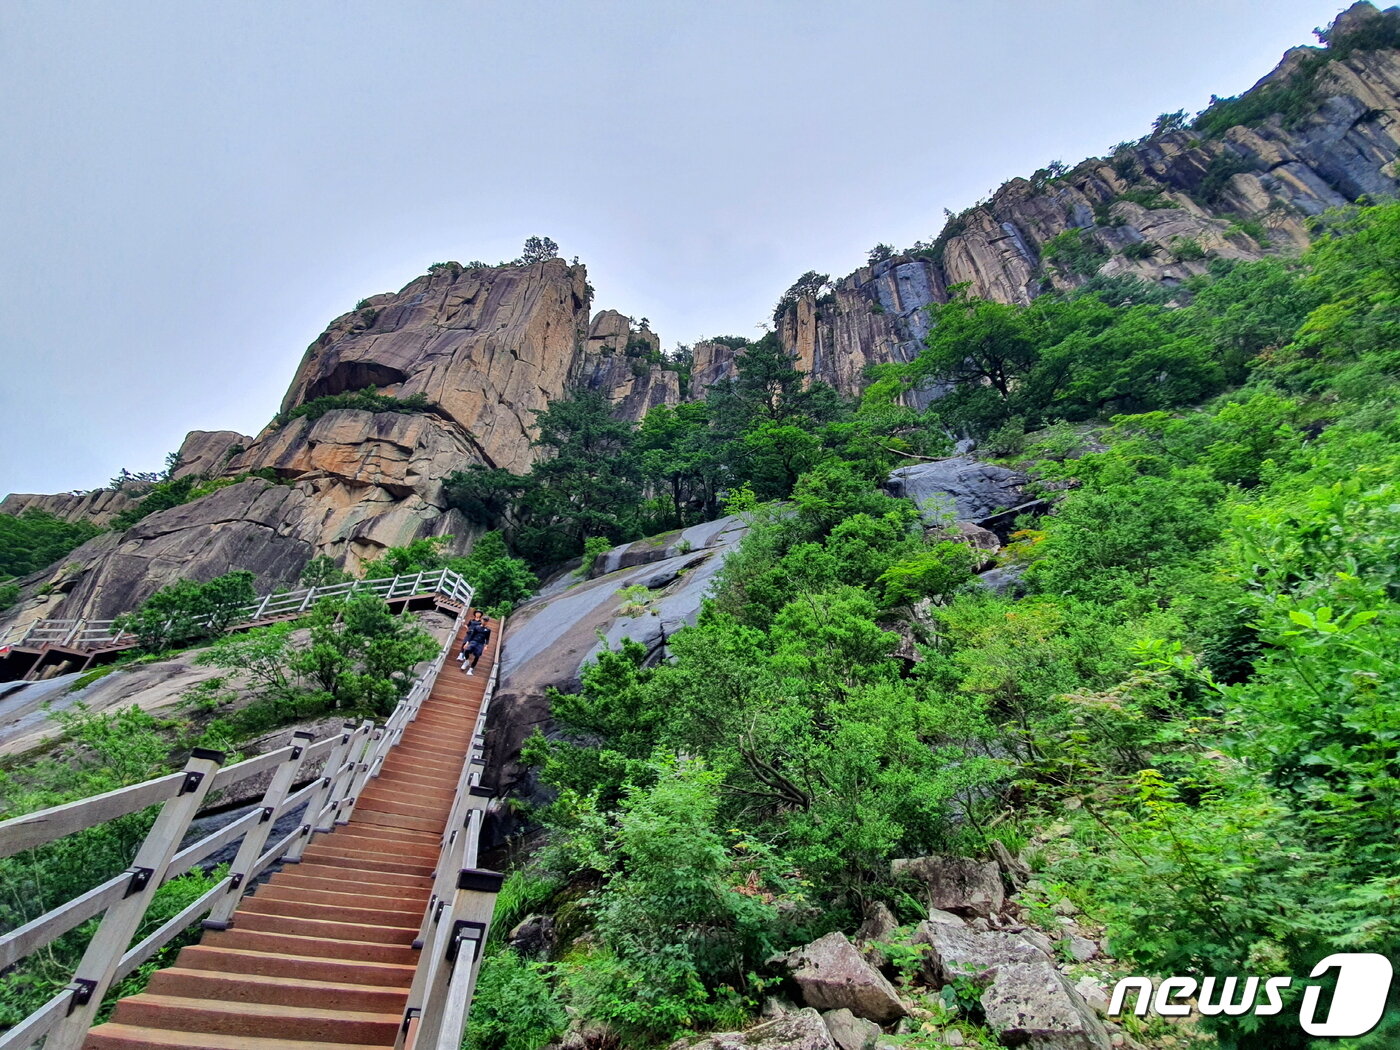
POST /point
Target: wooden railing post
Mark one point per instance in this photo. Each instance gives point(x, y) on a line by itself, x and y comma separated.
point(119, 925)
point(457, 947)
point(340, 793)
point(251, 848)
point(360, 775)
point(319, 797)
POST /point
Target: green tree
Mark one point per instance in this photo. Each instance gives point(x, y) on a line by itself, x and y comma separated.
point(588, 482)
point(185, 611)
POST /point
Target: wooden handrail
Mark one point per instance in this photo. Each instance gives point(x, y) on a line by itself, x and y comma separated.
point(90, 634)
point(352, 757)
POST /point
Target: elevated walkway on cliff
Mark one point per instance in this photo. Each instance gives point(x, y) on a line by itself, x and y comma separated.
point(50, 646)
point(370, 931)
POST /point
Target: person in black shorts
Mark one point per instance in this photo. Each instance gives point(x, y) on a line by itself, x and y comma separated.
point(478, 634)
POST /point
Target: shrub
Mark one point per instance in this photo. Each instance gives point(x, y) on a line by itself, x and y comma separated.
point(1071, 252)
point(185, 611)
point(1188, 249)
point(366, 400)
point(322, 571)
point(592, 548)
point(36, 539)
point(1137, 250)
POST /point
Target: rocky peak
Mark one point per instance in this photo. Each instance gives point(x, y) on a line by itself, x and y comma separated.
point(484, 345)
point(623, 361)
point(1160, 209)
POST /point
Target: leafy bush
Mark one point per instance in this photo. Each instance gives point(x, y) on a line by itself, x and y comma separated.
point(322, 571)
point(1072, 252)
point(366, 400)
point(359, 657)
point(185, 611)
point(1137, 250)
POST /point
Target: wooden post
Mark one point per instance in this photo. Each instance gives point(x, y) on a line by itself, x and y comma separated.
point(457, 946)
point(340, 793)
point(250, 849)
point(119, 925)
point(319, 797)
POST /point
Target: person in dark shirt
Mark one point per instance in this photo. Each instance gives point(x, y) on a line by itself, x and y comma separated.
point(478, 634)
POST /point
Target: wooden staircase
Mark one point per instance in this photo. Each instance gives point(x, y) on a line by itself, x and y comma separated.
point(322, 955)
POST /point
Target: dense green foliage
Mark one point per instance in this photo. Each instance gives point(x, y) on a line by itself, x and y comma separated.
point(605, 480)
point(36, 539)
point(349, 653)
point(498, 579)
point(1200, 684)
point(185, 612)
point(104, 753)
point(174, 492)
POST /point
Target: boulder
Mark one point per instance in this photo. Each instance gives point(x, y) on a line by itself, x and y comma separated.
point(1024, 997)
point(959, 951)
point(956, 884)
point(850, 1032)
point(1029, 1003)
point(533, 936)
point(1081, 948)
point(832, 976)
point(961, 489)
point(799, 1030)
point(878, 925)
point(983, 542)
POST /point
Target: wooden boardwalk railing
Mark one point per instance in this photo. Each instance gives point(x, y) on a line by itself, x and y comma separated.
point(85, 634)
point(369, 935)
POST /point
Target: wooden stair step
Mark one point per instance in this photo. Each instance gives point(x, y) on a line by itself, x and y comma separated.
point(213, 985)
point(258, 1019)
point(374, 814)
point(314, 878)
point(314, 947)
point(266, 964)
point(350, 837)
point(340, 867)
point(326, 929)
point(325, 855)
point(341, 898)
point(392, 912)
point(113, 1036)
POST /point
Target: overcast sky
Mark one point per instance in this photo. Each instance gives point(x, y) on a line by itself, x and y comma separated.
point(190, 191)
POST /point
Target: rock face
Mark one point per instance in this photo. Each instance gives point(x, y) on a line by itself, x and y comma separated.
point(963, 487)
point(832, 976)
point(485, 346)
point(207, 452)
point(616, 363)
point(955, 884)
point(99, 506)
point(1186, 196)
point(253, 525)
point(798, 1030)
point(552, 636)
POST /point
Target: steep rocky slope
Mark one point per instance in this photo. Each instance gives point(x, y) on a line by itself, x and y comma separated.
point(481, 349)
point(1160, 209)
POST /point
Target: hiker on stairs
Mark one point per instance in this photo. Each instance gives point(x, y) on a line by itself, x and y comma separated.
point(478, 634)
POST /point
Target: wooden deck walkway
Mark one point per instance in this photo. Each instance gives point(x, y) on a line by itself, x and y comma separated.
point(322, 955)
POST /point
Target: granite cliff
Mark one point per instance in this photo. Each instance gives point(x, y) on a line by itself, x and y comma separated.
point(1319, 131)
